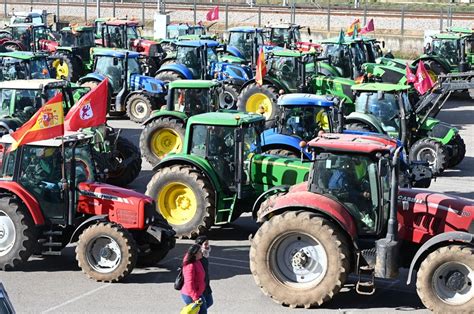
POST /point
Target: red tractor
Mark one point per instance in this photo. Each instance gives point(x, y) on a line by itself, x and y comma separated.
point(351, 217)
point(125, 34)
point(49, 198)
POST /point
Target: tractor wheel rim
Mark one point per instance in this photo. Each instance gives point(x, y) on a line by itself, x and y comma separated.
point(427, 154)
point(7, 233)
point(139, 109)
point(165, 141)
point(257, 102)
point(103, 254)
point(299, 260)
point(62, 70)
point(177, 203)
point(227, 100)
point(453, 283)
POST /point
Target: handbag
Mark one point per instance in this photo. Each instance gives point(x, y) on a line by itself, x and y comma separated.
point(192, 308)
point(179, 281)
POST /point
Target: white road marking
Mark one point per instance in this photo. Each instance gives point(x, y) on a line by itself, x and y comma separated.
point(229, 259)
point(76, 298)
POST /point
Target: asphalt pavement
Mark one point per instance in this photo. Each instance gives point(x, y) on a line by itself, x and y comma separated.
point(57, 285)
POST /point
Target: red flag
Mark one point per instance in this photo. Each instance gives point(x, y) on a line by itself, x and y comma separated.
point(90, 110)
point(355, 26)
point(370, 27)
point(261, 69)
point(46, 123)
point(411, 78)
point(213, 14)
point(423, 79)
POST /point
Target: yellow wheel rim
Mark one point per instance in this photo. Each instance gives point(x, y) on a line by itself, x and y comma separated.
point(177, 203)
point(257, 102)
point(165, 141)
point(322, 120)
point(62, 70)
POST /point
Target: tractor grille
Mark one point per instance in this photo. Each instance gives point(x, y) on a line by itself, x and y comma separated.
point(126, 216)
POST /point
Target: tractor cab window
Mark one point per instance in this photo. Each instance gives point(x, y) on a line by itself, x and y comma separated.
point(280, 36)
point(386, 110)
point(68, 39)
point(192, 101)
point(339, 58)
point(132, 32)
point(84, 164)
point(13, 69)
point(105, 66)
point(296, 35)
point(116, 36)
point(40, 173)
point(211, 56)
point(189, 56)
point(21, 34)
point(176, 32)
point(41, 33)
point(351, 180)
point(446, 48)
point(285, 70)
point(304, 122)
point(39, 69)
point(251, 145)
point(198, 30)
point(133, 66)
point(19, 103)
point(242, 41)
point(7, 162)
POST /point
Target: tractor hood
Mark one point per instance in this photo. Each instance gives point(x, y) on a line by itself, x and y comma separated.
point(48, 45)
point(422, 214)
point(149, 84)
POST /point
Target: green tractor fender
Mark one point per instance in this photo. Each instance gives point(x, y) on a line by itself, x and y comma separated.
point(388, 73)
point(160, 114)
point(428, 59)
point(336, 86)
point(439, 131)
point(328, 70)
point(366, 119)
point(267, 80)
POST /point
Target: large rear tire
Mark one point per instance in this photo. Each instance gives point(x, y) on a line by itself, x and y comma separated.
point(168, 76)
point(228, 99)
point(280, 152)
point(299, 259)
point(139, 107)
point(161, 137)
point(185, 198)
point(432, 151)
point(254, 98)
point(106, 252)
point(66, 67)
point(360, 127)
point(460, 149)
point(445, 280)
point(128, 163)
point(17, 234)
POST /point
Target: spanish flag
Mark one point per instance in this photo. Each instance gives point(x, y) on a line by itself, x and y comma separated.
point(354, 27)
point(261, 69)
point(46, 123)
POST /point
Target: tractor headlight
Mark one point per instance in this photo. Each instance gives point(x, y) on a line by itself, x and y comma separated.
point(147, 220)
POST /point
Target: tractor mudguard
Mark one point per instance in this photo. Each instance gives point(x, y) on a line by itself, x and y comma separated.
point(30, 202)
point(280, 141)
point(235, 52)
point(447, 237)
point(440, 131)
point(266, 80)
point(442, 62)
point(9, 124)
point(336, 86)
point(155, 114)
point(263, 197)
point(91, 77)
point(181, 69)
point(365, 119)
point(86, 223)
point(67, 49)
point(316, 203)
point(148, 84)
point(328, 70)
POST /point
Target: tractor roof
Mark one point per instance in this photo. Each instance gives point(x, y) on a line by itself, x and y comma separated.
point(119, 22)
point(245, 29)
point(27, 84)
point(231, 118)
point(116, 53)
point(197, 43)
point(193, 84)
point(384, 87)
point(80, 28)
point(452, 36)
point(338, 142)
point(23, 55)
point(178, 26)
point(288, 53)
point(309, 100)
point(464, 30)
point(54, 142)
point(347, 40)
point(283, 25)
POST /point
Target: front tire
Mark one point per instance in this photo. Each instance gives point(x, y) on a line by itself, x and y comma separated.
point(433, 152)
point(445, 280)
point(139, 107)
point(228, 99)
point(299, 259)
point(460, 149)
point(280, 152)
point(185, 198)
point(161, 137)
point(254, 98)
point(106, 252)
point(17, 234)
point(127, 163)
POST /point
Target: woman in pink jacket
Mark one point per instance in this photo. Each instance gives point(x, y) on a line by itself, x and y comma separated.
point(194, 277)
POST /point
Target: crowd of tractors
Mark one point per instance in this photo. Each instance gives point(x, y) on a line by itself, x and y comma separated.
point(332, 151)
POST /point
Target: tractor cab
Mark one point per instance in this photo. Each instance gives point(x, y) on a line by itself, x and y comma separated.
point(373, 49)
point(247, 40)
point(175, 31)
point(197, 56)
point(25, 37)
point(120, 33)
point(21, 65)
point(452, 47)
point(36, 17)
point(346, 56)
point(285, 35)
point(78, 37)
point(193, 96)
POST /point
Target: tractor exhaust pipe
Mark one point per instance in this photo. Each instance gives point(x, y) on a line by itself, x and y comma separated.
point(386, 264)
point(340, 117)
point(119, 99)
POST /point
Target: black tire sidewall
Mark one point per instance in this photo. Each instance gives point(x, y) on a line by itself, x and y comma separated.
point(252, 89)
point(127, 150)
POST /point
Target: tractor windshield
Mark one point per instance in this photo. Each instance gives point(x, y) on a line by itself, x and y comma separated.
point(339, 55)
point(304, 122)
point(21, 33)
point(189, 56)
point(244, 42)
point(106, 65)
point(132, 32)
point(16, 69)
point(79, 39)
point(197, 30)
point(446, 48)
point(176, 32)
point(285, 70)
point(281, 37)
point(193, 101)
point(353, 181)
point(22, 103)
point(386, 110)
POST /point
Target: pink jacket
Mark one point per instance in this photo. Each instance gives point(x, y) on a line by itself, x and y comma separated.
point(194, 280)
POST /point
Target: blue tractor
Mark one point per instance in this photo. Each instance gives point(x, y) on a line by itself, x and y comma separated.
point(245, 42)
point(198, 59)
point(130, 92)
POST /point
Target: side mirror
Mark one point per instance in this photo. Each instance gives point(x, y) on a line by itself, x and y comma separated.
point(380, 95)
point(115, 62)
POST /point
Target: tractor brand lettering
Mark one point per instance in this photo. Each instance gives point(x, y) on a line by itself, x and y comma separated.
point(86, 112)
point(402, 198)
point(106, 196)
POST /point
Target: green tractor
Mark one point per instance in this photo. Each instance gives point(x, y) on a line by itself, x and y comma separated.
point(219, 173)
point(72, 53)
point(163, 132)
point(291, 71)
point(386, 108)
point(22, 65)
point(20, 99)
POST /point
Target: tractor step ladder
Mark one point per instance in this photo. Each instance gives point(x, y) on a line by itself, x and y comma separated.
point(50, 247)
point(366, 287)
point(224, 214)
